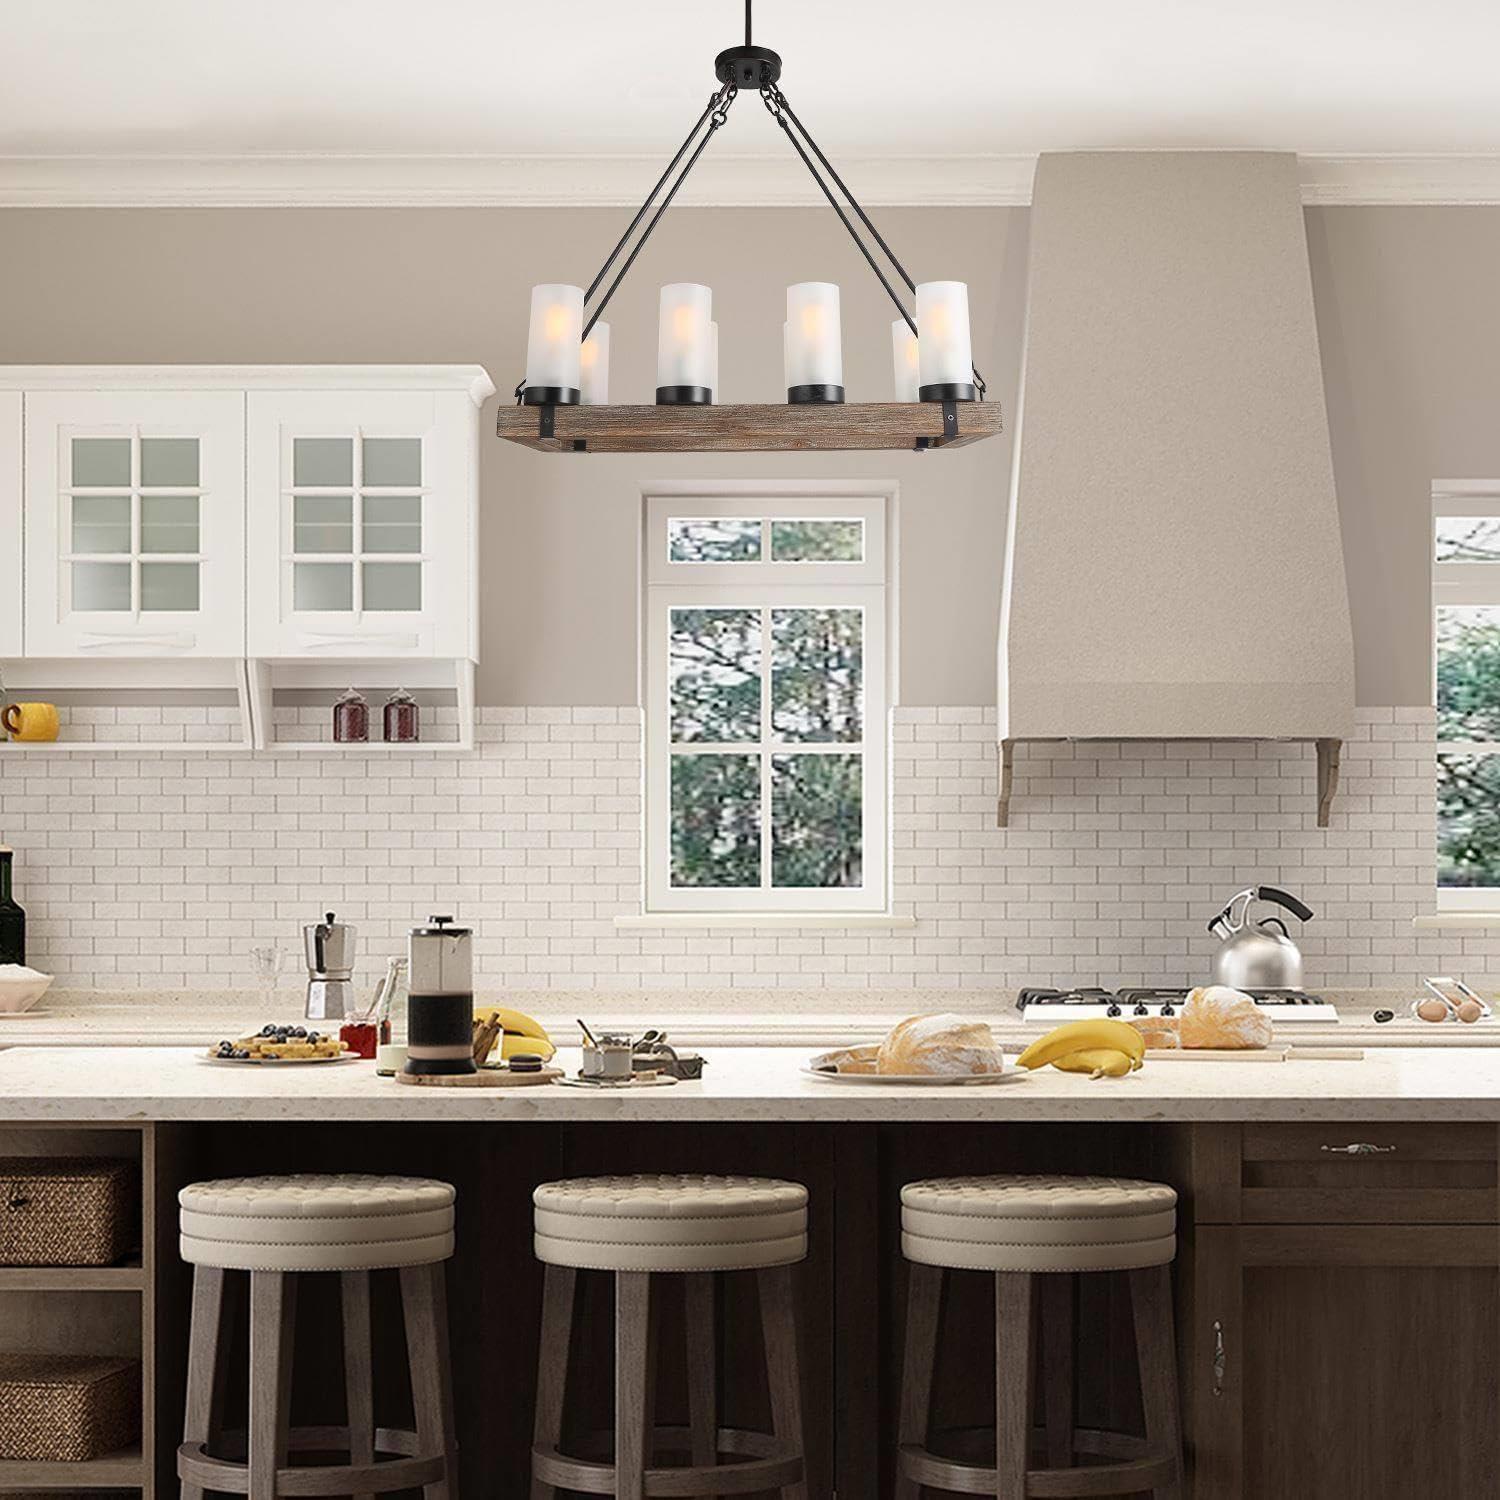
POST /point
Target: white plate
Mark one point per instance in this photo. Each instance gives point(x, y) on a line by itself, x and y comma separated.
point(277, 1062)
point(924, 1080)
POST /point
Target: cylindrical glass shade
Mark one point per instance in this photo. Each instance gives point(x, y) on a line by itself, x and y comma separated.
point(553, 346)
point(946, 358)
point(713, 361)
point(683, 344)
point(594, 362)
point(905, 361)
point(814, 346)
point(786, 355)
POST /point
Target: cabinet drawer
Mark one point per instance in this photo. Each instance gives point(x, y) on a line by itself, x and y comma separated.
point(1394, 1174)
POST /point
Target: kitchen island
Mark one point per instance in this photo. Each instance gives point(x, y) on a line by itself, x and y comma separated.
point(1339, 1242)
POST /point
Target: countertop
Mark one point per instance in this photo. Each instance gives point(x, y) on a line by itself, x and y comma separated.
point(750, 1084)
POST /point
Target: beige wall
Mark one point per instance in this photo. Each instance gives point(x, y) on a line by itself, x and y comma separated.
point(1408, 307)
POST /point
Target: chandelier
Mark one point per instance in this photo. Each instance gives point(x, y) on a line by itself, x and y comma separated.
point(563, 403)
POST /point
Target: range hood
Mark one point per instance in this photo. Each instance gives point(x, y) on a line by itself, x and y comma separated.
point(1173, 566)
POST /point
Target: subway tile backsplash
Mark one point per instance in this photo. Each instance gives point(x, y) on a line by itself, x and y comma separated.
point(162, 870)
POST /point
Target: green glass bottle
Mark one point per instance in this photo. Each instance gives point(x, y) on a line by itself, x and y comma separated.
point(12, 918)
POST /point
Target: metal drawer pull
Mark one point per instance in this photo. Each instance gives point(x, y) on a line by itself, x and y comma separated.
point(1359, 1148)
point(1219, 1358)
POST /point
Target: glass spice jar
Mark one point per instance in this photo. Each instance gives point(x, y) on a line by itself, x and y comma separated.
point(351, 718)
point(401, 718)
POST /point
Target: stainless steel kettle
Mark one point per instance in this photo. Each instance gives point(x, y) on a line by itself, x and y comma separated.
point(1258, 955)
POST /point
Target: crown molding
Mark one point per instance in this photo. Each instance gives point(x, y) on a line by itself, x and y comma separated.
point(578, 181)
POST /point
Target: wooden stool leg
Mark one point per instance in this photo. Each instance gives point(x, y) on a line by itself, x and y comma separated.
point(632, 1382)
point(559, 1296)
point(924, 1301)
point(424, 1304)
point(702, 1369)
point(778, 1316)
point(1015, 1304)
point(359, 1369)
point(273, 1307)
point(1151, 1307)
point(1057, 1367)
point(205, 1373)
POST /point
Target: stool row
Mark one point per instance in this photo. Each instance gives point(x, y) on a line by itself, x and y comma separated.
point(1031, 1233)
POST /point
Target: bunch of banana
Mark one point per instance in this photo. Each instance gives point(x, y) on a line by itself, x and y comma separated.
point(1102, 1049)
point(517, 1032)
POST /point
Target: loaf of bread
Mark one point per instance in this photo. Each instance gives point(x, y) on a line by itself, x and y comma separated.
point(1217, 1016)
point(941, 1044)
point(1159, 1031)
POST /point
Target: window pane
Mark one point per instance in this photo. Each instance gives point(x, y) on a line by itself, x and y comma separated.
point(817, 820)
point(716, 820)
point(817, 673)
point(393, 586)
point(101, 523)
point(169, 523)
point(818, 541)
point(713, 540)
point(322, 460)
point(393, 523)
point(1468, 673)
point(1468, 539)
point(713, 674)
point(392, 460)
point(323, 586)
point(101, 586)
point(169, 461)
point(323, 523)
point(1468, 820)
point(101, 461)
point(169, 585)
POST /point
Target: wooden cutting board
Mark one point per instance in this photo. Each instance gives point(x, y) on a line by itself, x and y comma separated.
point(485, 1078)
point(1289, 1053)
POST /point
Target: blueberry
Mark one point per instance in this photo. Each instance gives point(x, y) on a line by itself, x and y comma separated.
point(300, 1032)
point(268, 1030)
point(312, 1036)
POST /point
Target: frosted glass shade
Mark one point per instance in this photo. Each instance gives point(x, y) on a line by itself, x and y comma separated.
point(905, 361)
point(814, 351)
point(594, 364)
point(554, 343)
point(713, 360)
point(684, 348)
point(946, 357)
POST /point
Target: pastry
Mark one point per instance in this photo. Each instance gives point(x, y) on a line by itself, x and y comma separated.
point(1217, 1016)
point(940, 1044)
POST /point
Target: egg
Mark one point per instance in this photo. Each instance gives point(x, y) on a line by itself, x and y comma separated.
point(1469, 1010)
point(1432, 1010)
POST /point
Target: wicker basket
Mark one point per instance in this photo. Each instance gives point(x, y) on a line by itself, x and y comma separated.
point(57, 1211)
point(68, 1408)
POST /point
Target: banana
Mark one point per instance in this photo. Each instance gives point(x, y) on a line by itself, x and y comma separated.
point(1077, 1036)
point(1097, 1062)
point(522, 1033)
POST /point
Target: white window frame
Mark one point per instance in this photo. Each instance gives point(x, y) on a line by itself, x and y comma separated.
point(867, 585)
point(1461, 585)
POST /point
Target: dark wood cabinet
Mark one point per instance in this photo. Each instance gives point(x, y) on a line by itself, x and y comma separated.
point(1349, 1352)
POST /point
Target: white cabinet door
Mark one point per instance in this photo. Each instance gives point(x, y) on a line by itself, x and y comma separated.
point(135, 523)
point(360, 517)
point(10, 523)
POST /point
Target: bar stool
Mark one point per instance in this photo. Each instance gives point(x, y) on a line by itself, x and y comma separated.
point(639, 1227)
point(278, 1229)
point(1034, 1234)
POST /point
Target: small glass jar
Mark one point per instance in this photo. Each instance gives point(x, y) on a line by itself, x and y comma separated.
point(360, 1037)
point(402, 719)
point(351, 719)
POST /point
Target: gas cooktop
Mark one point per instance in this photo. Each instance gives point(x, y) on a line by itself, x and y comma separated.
point(1047, 1007)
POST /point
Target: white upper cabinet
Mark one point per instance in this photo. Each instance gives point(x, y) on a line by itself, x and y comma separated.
point(361, 523)
point(10, 523)
point(134, 523)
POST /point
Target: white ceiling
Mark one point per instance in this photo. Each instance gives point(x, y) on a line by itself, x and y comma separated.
point(497, 78)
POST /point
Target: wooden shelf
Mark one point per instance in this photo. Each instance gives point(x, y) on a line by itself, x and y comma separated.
point(749, 429)
point(127, 1278)
point(115, 1471)
point(118, 747)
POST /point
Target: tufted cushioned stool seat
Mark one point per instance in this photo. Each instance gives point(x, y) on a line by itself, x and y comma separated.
point(672, 1222)
point(350, 1222)
point(1035, 1223)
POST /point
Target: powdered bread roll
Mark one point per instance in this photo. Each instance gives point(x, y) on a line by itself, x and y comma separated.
point(942, 1044)
point(1159, 1031)
point(1217, 1016)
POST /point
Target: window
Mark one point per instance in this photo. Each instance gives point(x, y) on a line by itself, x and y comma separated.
point(1466, 636)
point(766, 696)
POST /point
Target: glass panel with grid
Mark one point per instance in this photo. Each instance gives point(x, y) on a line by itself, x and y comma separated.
point(357, 519)
point(133, 524)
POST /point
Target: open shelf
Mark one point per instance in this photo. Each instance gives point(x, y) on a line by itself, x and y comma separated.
point(130, 1277)
point(115, 1471)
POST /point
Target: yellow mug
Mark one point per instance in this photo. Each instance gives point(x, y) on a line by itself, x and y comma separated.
point(30, 721)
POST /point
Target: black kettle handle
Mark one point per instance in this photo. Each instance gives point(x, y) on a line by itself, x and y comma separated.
point(1298, 909)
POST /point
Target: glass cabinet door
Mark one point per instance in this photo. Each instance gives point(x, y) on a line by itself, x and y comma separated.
point(372, 494)
point(135, 536)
